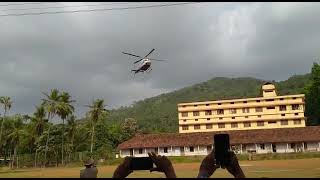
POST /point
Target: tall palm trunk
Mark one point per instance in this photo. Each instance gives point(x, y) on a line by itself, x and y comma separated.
point(62, 150)
point(4, 116)
point(72, 147)
point(35, 159)
point(10, 157)
point(14, 162)
point(45, 152)
point(92, 139)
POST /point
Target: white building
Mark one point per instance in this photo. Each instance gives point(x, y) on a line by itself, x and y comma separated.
point(243, 141)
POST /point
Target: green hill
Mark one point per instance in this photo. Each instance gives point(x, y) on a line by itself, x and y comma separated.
point(159, 114)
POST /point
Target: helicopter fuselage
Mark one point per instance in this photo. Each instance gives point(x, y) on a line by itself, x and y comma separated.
point(146, 63)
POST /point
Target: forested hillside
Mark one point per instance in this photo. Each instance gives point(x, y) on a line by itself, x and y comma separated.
point(159, 114)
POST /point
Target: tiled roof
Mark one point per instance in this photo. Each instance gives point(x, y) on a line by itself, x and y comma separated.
point(309, 133)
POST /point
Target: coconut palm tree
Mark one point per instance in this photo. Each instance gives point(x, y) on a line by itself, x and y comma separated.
point(96, 111)
point(6, 102)
point(38, 124)
point(72, 128)
point(50, 104)
point(16, 135)
point(64, 109)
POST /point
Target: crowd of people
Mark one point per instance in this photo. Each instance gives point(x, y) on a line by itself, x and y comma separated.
point(164, 165)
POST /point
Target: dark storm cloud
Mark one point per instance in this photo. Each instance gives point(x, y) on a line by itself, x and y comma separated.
point(81, 53)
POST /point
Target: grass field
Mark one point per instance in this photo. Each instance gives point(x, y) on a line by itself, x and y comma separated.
point(267, 168)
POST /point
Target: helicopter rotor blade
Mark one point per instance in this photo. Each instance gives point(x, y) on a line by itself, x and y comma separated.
point(156, 59)
point(149, 53)
point(137, 61)
point(131, 55)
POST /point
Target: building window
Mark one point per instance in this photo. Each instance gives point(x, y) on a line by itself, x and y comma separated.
point(271, 107)
point(219, 103)
point(191, 149)
point(185, 127)
point(297, 122)
point(233, 111)
point(272, 122)
point(295, 107)
point(284, 122)
point(262, 146)
point(244, 102)
point(196, 126)
point(283, 108)
point(220, 118)
point(165, 150)
point(208, 119)
point(220, 111)
point(184, 114)
point(247, 124)
point(258, 101)
point(245, 110)
point(195, 105)
point(232, 103)
point(233, 117)
point(140, 151)
point(208, 113)
point(209, 148)
point(268, 100)
point(196, 119)
point(196, 113)
point(234, 125)
point(183, 106)
point(258, 109)
point(283, 114)
point(296, 114)
point(207, 104)
point(209, 126)
point(221, 125)
point(260, 123)
point(259, 116)
point(184, 120)
point(294, 98)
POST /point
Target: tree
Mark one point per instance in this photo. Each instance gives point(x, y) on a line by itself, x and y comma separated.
point(38, 124)
point(64, 109)
point(129, 128)
point(16, 135)
point(96, 111)
point(71, 130)
point(51, 105)
point(312, 91)
point(6, 102)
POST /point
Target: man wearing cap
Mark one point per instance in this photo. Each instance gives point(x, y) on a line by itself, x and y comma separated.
point(90, 171)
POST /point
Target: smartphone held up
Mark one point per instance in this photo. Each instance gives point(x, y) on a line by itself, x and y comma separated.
point(222, 149)
point(141, 163)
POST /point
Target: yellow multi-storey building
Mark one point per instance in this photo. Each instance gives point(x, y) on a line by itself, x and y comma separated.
point(266, 112)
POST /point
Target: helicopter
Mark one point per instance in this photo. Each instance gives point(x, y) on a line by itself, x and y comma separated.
point(146, 62)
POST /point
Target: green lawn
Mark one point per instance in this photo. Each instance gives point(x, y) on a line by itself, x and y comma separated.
point(267, 168)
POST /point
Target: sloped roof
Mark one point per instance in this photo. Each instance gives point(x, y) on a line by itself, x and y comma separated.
point(309, 133)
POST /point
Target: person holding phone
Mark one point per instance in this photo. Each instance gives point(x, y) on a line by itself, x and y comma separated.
point(221, 156)
point(209, 166)
point(162, 163)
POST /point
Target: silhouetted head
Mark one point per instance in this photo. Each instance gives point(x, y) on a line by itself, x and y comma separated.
point(89, 163)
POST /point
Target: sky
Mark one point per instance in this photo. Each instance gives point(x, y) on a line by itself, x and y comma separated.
point(81, 53)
